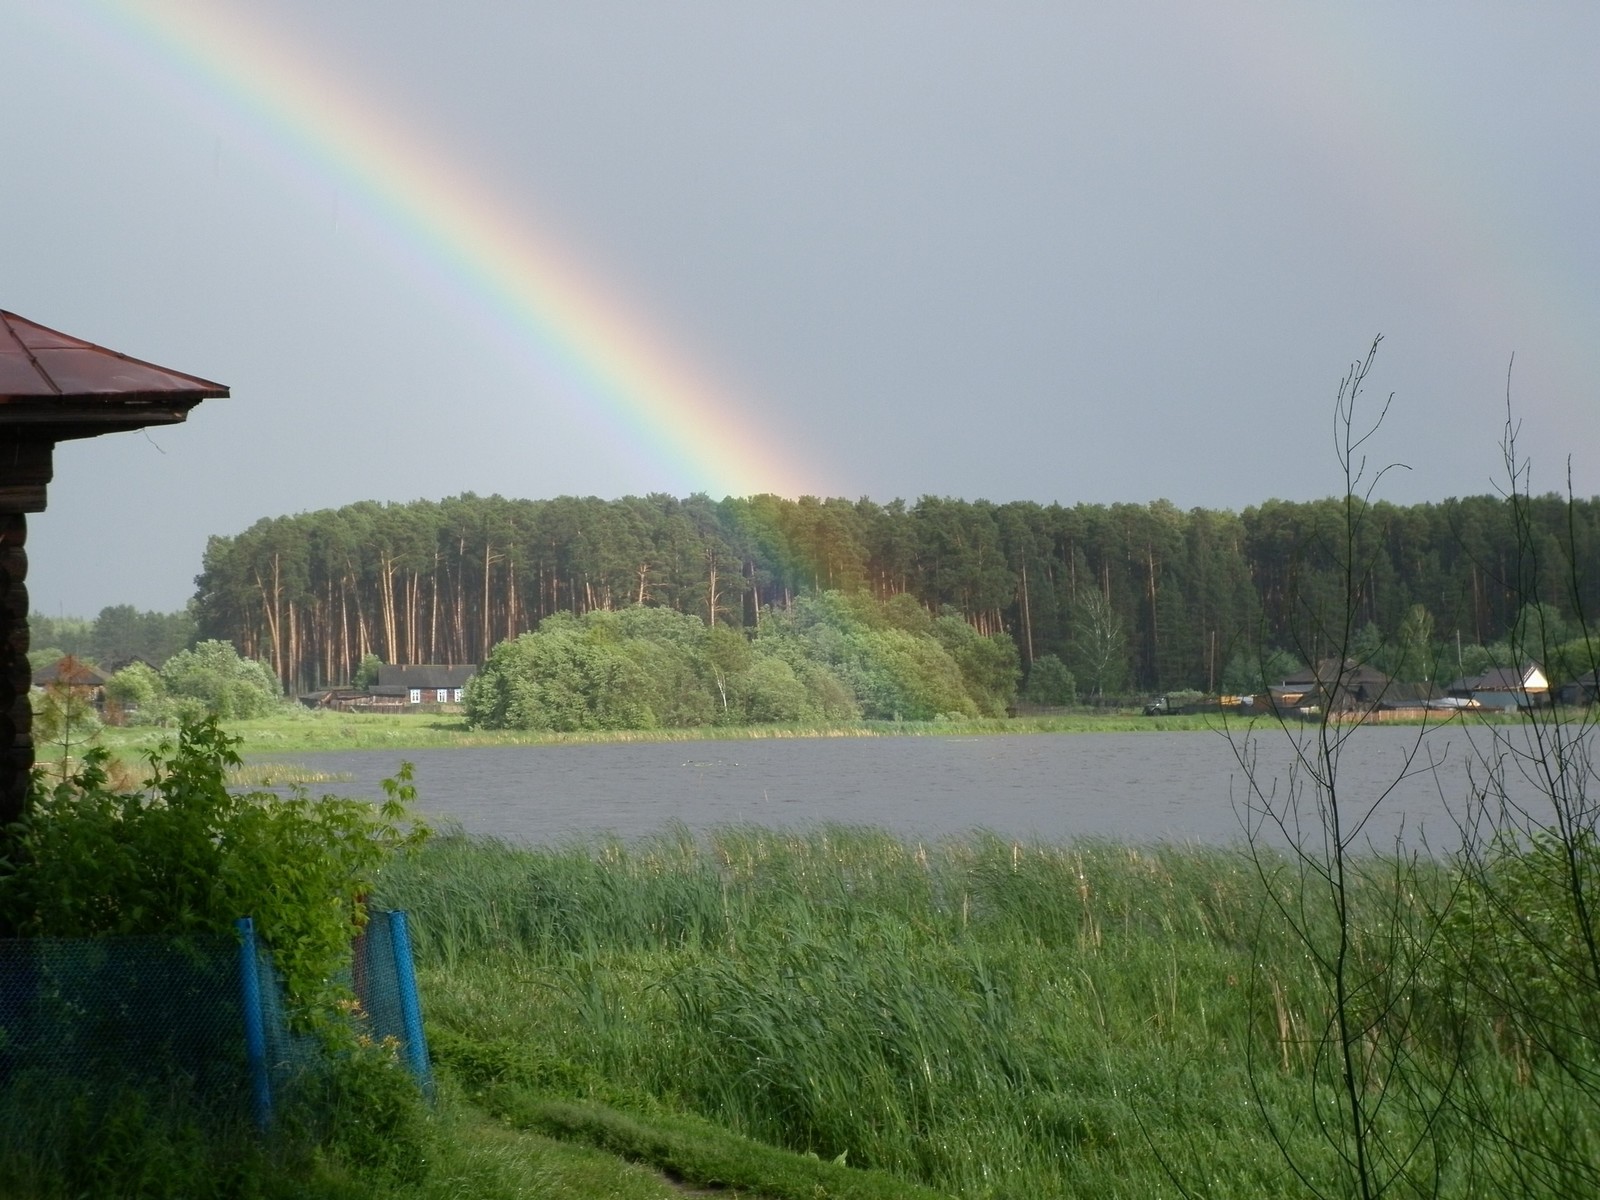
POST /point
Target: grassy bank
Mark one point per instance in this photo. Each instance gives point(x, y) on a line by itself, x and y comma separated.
point(304, 730)
point(843, 1014)
point(981, 1017)
point(296, 729)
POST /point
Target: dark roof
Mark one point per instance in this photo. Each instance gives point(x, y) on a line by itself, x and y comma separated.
point(59, 387)
point(1330, 671)
point(71, 671)
point(1408, 695)
point(425, 675)
point(1345, 685)
point(1500, 679)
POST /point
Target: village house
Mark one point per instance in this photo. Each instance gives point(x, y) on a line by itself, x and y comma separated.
point(1585, 689)
point(1508, 688)
point(74, 673)
point(424, 683)
point(1350, 687)
point(1332, 685)
point(419, 688)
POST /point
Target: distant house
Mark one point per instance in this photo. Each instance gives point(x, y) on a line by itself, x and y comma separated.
point(74, 673)
point(343, 699)
point(399, 689)
point(425, 683)
point(1506, 688)
point(83, 679)
point(70, 672)
point(1585, 689)
point(1335, 686)
point(1351, 687)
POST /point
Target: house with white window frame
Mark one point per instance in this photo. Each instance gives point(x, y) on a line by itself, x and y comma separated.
point(423, 683)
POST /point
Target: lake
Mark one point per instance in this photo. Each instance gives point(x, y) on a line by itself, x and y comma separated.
point(1167, 785)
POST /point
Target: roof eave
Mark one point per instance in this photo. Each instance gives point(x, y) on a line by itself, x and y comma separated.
point(62, 420)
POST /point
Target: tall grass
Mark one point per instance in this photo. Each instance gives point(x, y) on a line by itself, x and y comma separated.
point(985, 1016)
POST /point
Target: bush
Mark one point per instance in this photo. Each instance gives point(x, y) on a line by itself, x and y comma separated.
point(138, 691)
point(834, 658)
point(210, 680)
point(990, 666)
point(1050, 683)
point(215, 681)
point(367, 673)
point(186, 855)
point(562, 678)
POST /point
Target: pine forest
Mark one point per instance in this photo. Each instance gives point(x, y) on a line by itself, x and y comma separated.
point(1167, 598)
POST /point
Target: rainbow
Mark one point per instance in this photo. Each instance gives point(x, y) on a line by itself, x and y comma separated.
point(509, 281)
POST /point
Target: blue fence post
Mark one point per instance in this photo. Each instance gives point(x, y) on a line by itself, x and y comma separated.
point(255, 1028)
point(410, 1004)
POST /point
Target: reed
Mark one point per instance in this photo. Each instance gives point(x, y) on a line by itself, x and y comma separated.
point(984, 1016)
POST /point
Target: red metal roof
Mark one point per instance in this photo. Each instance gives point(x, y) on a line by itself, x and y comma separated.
point(61, 387)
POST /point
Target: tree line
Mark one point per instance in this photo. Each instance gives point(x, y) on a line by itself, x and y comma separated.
point(1135, 597)
point(119, 635)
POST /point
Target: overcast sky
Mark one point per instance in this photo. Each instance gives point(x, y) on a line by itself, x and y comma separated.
point(1056, 252)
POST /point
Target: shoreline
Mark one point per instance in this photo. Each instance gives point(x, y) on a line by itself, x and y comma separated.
point(332, 732)
point(326, 732)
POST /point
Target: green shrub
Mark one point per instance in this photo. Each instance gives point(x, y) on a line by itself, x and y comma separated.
point(186, 855)
point(1050, 683)
point(219, 683)
point(138, 689)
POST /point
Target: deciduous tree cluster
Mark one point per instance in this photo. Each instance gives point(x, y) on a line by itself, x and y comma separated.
point(209, 681)
point(834, 657)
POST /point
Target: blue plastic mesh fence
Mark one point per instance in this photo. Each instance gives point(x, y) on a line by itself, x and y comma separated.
point(167, 1013)
point(106, 1012)
point(387, 992)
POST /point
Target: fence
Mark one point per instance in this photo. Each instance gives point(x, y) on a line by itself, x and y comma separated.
point(203, 1016)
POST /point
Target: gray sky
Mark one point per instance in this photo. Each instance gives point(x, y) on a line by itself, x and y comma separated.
point(1056, 252)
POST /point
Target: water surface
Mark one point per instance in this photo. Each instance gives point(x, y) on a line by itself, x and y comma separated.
point(1169, 785)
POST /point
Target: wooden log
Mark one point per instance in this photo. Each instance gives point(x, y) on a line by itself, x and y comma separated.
point(16, 715)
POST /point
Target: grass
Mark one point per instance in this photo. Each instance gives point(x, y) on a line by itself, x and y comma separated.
point(843, 1013)
point(981, 1017)
point(464, 1150)
point(295, 730)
